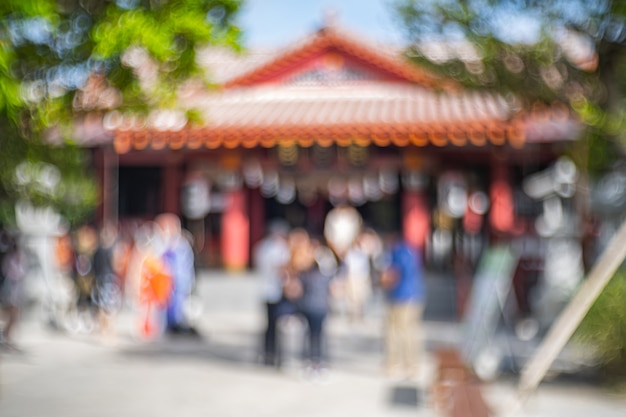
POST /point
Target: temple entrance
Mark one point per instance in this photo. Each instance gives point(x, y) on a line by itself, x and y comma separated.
point(140, 191)
point(382, 216)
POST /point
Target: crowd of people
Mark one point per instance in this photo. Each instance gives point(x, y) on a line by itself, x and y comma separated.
point(310, 277)
point(150, 270)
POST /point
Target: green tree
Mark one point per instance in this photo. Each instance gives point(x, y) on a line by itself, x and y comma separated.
point(50, 52)
point(603, 328)
point(570, 51)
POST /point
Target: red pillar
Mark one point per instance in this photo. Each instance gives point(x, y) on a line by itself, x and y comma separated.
point(501, 215)
point(415, 218)
point(235, 232)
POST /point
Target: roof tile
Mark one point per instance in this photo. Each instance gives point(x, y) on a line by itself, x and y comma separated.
point(248, 113)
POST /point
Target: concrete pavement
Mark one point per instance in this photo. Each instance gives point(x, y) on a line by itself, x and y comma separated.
point(218, 373)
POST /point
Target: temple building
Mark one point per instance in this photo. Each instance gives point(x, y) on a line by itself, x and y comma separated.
point(332, 119)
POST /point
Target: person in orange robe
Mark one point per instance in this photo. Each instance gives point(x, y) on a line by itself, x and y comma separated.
point(154, 292)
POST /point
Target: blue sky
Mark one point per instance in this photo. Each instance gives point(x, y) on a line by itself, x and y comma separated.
point(276, 23)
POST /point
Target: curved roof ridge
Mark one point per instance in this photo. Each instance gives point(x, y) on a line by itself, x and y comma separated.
point(332, 36)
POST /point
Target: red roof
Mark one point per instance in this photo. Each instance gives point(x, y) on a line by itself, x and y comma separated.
point(331, 39)
point(331, 88)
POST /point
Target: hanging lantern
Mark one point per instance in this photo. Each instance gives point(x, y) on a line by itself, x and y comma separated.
point(286, 191)
point(357, 155)
point(388, 181)
point(253, 174)
point(322, 156)
point(269, 186)
point(196, 196)
point(307, 193)
point(287, 153)
point(452, 194)
point(414, 180)
point(356, 195)
point(371, 187)
point(337, 190)
point(229, 180)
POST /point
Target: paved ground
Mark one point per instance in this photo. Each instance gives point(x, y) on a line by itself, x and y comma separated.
point(218, 373)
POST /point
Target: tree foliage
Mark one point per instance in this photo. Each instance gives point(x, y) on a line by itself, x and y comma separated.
point(50, 50)
point(536, 51)
point(604, 325)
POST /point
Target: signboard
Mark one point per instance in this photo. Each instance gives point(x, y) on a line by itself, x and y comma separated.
point(490, 290)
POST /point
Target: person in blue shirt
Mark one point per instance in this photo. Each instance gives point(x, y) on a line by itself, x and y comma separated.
point(403, 283)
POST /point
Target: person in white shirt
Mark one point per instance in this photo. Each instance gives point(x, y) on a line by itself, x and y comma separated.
point(271, 256)
point(358, 282)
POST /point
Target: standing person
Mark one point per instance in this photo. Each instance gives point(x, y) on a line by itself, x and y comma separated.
point(84, 278)
point(179, 259)
point(64, 254)
point(151, 282)
point(140, 248)
point(13, 268)
point(271, 256)
point(107, 293)
point(402, 280)
point(357, 277)
point(314, 302)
